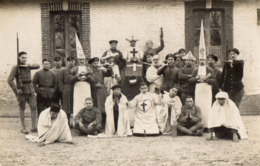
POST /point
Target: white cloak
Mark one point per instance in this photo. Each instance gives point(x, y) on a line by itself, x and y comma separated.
point(203, 99)
point(145, 121)
point(82, 90)
point(123, 127)
point(50, 131)
point(228, 116)
point(162, 116)
point(154, 79)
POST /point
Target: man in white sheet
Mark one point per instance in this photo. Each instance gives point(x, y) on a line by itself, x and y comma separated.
point(167, 117)
point(117, 120)
point(151, 74)
point(225, 120)
point(53, 126)
point(145, 121)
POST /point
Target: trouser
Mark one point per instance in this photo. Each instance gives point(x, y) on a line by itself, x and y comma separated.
point(42, 104)
point(189, 128)
point(223, 132)
point(31, 100)
point(104, 116)
point(87, 129)
point(236, 96)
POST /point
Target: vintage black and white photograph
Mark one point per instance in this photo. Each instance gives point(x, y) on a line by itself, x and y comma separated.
point(130, 82)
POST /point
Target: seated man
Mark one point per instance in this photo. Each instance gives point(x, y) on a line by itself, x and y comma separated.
point(189, 122)
point(117, 120)
point(225, 120)
point(53, 126)
point(167, 118)
point(88, 120)
point(145, 123)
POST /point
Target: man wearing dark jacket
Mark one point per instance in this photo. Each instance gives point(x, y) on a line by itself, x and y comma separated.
point(45, 84)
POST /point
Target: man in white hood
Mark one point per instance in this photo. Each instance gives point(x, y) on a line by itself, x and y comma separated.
point(225, 120)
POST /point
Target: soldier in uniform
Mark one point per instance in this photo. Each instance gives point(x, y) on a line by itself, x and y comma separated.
point(45, 85)
point(24, 89)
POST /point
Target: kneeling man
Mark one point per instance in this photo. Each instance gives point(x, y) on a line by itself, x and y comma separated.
point(145, 121)
point(117, 120)
point(88, 120)
point(225, 120)
point(53, 126)
point(189, 122)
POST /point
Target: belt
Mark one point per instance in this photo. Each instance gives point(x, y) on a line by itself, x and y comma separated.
point(27, 82)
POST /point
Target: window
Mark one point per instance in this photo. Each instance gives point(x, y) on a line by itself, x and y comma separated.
point(64, 25)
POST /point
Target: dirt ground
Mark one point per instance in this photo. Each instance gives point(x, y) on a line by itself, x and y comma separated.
point(153, 151)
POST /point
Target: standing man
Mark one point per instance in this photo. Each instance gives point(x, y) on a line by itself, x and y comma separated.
point(113, 51)
point(145, 120)
point(113, 78)
point(151, 75)
point(185, 75)
point(180, 62)
point(66, 88)
point(81, 77)
point(231, 77)
point(46, 87)
point(216, 75)
point(101, 91)
point(189, 122)
point(57, 66)
point(132, 54)
point(151, 50)
point(24, 89)
point(169, 72)
point(203, 90)
point(117, 121)
point(56, 70)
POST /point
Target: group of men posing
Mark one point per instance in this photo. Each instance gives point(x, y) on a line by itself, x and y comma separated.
point(165, 105)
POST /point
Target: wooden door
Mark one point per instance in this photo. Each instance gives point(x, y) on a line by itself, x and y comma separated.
point(214, 32)
point(64, 26)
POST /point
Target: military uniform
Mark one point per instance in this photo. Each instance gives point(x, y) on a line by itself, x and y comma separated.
point(24, 83)
point(89, 116)
point(46, 86)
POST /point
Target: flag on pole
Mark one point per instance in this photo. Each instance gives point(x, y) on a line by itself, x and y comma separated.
point(80, 53)
point(202, 45)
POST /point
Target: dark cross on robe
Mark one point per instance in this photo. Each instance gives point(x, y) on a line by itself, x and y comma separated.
point(143, 106)
point(134, 52)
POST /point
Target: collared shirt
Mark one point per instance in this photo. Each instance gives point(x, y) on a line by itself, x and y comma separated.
point(89, 116)
point(25, 76)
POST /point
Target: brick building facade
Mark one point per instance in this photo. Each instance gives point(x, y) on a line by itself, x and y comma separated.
point(46, 29)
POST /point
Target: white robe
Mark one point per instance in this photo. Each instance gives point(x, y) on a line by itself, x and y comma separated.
point(111, 81)
point(154, 79)
point(82, 90)
point(228, 116)
point(50, 131)
point(123, 127)
point(128, 55)
point(203, 96)
point(145, 121)
point(162, 116)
